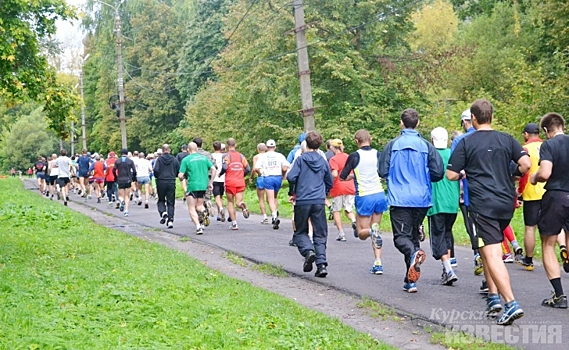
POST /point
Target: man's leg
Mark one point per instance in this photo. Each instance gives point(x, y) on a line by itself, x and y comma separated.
point(170, 200)
point(161, 190)
point(126, 198)
point(261, 196)
point(231, 206)
point(191, 201)
point(317, 215)
point(300, 237)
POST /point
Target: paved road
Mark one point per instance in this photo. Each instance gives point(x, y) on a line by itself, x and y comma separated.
point(459, 306)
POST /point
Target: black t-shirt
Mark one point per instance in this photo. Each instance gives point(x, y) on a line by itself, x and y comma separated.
point(40, 167)
point(180, 156)
point(556, 150)
point(485, 156)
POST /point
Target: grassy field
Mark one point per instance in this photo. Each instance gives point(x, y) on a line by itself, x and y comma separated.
point(68, 283)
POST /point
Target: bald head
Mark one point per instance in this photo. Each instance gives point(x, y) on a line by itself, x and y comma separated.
point(166, 148)
point(192, 147)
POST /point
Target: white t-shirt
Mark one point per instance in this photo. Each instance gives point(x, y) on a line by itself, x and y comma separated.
point(64, 165)
point(53, 171)
point(271, 164)
point(143, 167)
point(218, 157)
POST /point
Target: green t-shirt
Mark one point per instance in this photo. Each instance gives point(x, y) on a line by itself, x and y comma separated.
point(196, 168)
point(446, 193)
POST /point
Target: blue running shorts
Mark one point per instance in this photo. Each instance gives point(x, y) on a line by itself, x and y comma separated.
point(371, 204)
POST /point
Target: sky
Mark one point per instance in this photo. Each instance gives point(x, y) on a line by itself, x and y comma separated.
point(70, 35)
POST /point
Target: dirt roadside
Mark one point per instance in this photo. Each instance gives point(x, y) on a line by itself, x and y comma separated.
point(381, 323)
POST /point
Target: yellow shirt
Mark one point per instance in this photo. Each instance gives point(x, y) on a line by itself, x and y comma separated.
point(532, 192)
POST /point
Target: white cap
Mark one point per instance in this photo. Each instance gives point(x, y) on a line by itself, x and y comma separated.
point(271, 143)
point(466, 115)
point(440, 137)
point(223, 146)
point(159, 151)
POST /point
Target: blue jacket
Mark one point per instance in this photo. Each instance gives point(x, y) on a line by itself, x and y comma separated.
point(310, 179)
point(464, 181)
point(410, 163)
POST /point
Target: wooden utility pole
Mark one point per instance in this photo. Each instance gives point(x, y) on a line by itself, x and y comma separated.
point(122, 116)
point(303, 68)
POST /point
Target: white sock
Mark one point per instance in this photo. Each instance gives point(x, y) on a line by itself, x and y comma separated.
point(264, 216)
point(446, 265)
point(274, 214)
point(341, 233)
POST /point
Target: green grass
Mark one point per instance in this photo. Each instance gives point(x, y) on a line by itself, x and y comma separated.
point(68, 283)
point(378, 310)
point(270, 269)
point(463, 341)
point(236, 259)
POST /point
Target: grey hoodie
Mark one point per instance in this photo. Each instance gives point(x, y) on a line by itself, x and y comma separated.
point(310, 179)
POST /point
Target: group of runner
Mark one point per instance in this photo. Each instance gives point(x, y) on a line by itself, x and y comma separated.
point(481, 166)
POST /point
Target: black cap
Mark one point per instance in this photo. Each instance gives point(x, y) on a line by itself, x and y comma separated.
point(184, 146)
point(124, 151)
point(532, 128)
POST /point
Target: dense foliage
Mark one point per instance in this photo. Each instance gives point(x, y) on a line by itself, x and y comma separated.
point(226, 68)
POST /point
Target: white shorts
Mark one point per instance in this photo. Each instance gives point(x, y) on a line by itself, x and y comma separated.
point(346, 202)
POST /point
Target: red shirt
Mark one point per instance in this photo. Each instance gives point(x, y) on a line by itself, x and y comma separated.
point(110, 163)
point(98, 170)
point(235, 164)
point(341, 188)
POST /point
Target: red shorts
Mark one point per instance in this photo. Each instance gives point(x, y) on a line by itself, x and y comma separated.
point(99, 180)
point(234, 190)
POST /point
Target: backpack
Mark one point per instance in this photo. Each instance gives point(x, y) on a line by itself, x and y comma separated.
point(39, 166)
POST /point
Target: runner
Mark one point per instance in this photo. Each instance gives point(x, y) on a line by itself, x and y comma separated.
point(179, 157)
point(53, 175)
point(235, 168)
point(442, 215)
point(343, 192)
point(143, 170)
point(200, 172)
point(466, 123)
point(272, 167)
point(83, 165)
point(30, 173)
point(362, 167)
point(41, 168)
point(292, 154)
point(209, 192)
point(166, 169)
point(98, 170)
point(484, 157)
point(260, 187)
point(219, 181)
point(63, 164)
point(310, 195)
point(110, 180)
point(410, 164)
point(554, 209)
point(124, 172)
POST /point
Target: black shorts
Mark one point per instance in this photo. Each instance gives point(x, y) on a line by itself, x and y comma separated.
point(196, 194)
point(440, 233)
point(124, 185)
point(63, 181)
point(531, 212)
point(554, 213)
point(52, 179)
point(218, 189)
point(487, 230)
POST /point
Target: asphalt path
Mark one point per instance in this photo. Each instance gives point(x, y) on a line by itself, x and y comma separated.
point(459, 307)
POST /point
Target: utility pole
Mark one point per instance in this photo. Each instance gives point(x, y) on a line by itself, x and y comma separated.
point(303, 68)
point(83, 128)
point(122, 116)
point(72, 138)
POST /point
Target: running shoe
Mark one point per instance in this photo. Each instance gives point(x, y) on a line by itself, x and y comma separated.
point(558, 302)
point(276, 222)
point(121, 207)
point(222, 214)
point(98, 200)
point(330, 213)
point(415, 269)
point(199, 231)
point(234, 227)
point(321, 271)
point(308, 261)
point(164, 217)
point(507, 258)
point(493, 306)
point(170, 224)
point(58, 196)
point(125, 213)
point(139, 201)
point(146, 205)
point(206, 220)
point(478, 267)
point(117, 206)
point(265, 221)
point(67, 198)
point(511, 313)
point(564, 258)
point(410, 287)
point(355, 229)
point(483, 288)
point(376, 269)
point(291, 243)
point(375, 237)
point(448, 278)
point(131, 196)
point(218, 219)
point(453, 262)
point(525, 264)
point(200, 216)
point(518, 254)
point(228, 218)
point(341, 238)
point(65, 203)
point(422, 233)
point(244, 210)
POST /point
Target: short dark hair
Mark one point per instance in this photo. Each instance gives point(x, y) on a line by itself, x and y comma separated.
point(63, 152)
point(552, 120)
point(216, 145)
point(410, 118)
point(483, 111)
point(198, 141)
point(313, 140)
point(231, 142)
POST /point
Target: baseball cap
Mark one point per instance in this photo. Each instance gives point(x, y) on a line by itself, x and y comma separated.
point(159, 151)
point(271, 143)
point(466, 115)
point(337, 143)
point(184, 146)
point(532, 128)
point(223, 146)
point(124, 151)
point(440, 137)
